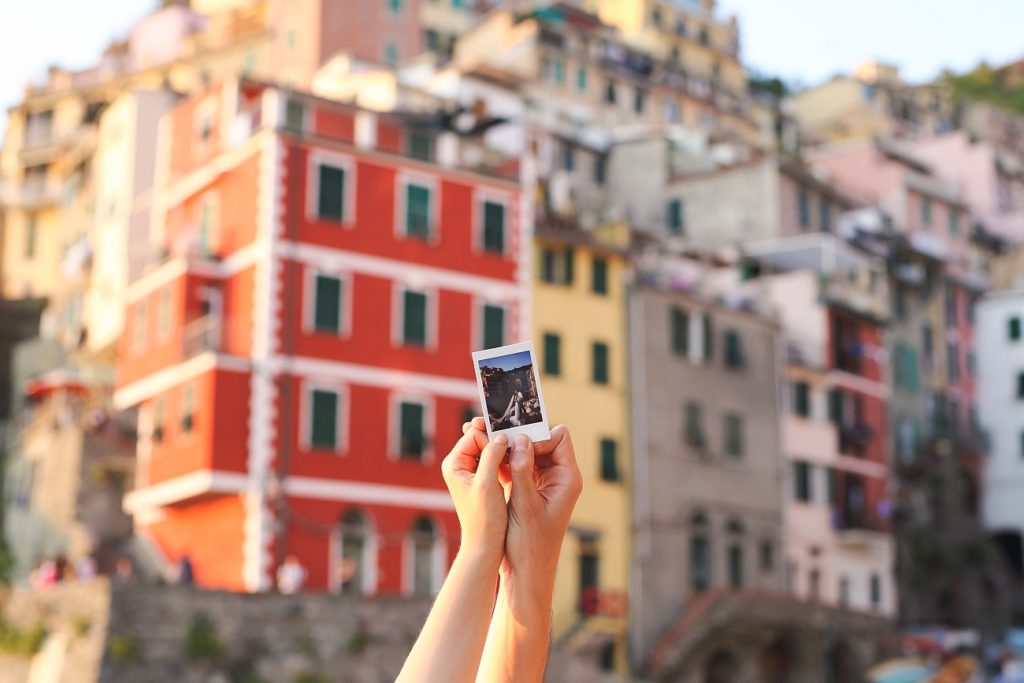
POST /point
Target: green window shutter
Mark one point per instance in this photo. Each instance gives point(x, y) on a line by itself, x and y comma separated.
point(700, 564)
point(802, 399)
point(324, 420)
point(675, 216)
point(954, 221)
point(548, 266)
point(412, 436)
point(331, 198)
point(803, 207)
point(494, 227)
point(694, 432)
point(395, 6)
point(733, 349)
point(609, 460)
point(419, 144)
point(926, 211)
point(559, 71)
point(417, 211)
point(734, 444)
point(568, 257)
point(835, 405)
point(680, 325)
point(414, 322)
point(802, 481)
point(826, 216)
point(735, 566)
point(1014, 329)
point(552, 353)
point(600, 373)
point(911, 369)
point(494, 326)
point(294, 116)
point(709, 337)
point(327, 304)
point(599, 283)
point(581, 78)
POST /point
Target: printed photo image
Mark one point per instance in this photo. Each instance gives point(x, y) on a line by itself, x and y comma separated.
point(510, 392)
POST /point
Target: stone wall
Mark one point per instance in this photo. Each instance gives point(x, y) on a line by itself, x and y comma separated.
point(151, 634)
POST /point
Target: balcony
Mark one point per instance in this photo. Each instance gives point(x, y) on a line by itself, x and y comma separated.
point(203, 334)
point(854, 439)
point(806, 437)
point(30, 194)
point(857, 528)
point(870, 299)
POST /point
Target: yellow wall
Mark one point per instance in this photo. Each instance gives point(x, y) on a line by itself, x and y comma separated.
point(592, 412)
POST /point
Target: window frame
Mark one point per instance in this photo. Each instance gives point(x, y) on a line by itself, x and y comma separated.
point(614, 475)
point(341, 433)
point(601, 379)
point(395, 401)
point(480, 200)
point(479, 340)
point(346, 163)
point(545, 364)
point(603, 289)
point(403, 181)
point(399, 290)
point(733, 420)
point(312, 274)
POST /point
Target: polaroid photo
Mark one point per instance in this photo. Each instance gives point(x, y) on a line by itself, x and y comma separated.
point(510, 394)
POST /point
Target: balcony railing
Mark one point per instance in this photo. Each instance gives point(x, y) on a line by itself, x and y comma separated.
point(30, 193)
point(203, 334)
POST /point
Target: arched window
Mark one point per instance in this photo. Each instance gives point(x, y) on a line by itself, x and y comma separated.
point(425, 566)
point(356, 562)
point(700, 553)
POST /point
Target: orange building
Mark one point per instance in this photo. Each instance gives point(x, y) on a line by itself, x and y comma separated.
point(300, 356)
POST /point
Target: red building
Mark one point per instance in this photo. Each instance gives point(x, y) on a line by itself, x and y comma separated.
point(299, 356)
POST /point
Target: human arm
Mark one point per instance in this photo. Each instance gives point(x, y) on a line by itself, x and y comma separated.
point(452, 640)
point(542, 484)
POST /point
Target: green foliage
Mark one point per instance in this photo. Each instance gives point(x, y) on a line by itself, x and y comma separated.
point(201, 639)
point(80, 625)
point(124, 649)
point(23, 642)
point(358, 642)
point(989, 85)
point(309, 677)
point(766, 84)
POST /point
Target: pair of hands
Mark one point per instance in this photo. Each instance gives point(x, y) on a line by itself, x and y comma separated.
point(513, 512)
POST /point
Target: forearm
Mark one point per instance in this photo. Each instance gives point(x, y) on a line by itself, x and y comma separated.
point(452, 640)
point(520, 633)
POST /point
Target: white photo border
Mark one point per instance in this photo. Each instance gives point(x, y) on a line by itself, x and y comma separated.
point(537, 431)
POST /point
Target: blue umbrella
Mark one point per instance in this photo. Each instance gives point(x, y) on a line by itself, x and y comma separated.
point(901, 671)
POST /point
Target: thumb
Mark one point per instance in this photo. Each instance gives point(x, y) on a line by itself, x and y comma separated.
point(521, 464)
point(490, 460)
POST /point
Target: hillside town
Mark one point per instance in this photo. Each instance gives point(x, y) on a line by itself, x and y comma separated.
point(246, 256)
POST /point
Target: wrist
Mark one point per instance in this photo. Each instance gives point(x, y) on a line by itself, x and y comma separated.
point(480, 556)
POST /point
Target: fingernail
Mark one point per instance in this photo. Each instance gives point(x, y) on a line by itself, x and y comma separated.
point(521, 443)
point(501, 440)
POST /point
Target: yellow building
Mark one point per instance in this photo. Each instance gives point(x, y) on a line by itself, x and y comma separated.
point(579, 321)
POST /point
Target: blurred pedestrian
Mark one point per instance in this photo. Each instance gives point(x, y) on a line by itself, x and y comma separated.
point(185, 577)
point(124, 570)
point(85, 568)
point(291, 575)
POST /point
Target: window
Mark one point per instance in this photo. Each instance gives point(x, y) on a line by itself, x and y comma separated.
point(395, 6)
point(733, 426)
point(656, 17)
point(600, 169)
point(423, 540)
point(826, 216)
point(700, 563)
point(609, 92)
point(639, 100)
point(417, 211)
point(844, 591)
point(694, 430)
point(802, 399)
point(876, 590)
point(581, 78)
point(1020, 385)
point(803, 203)
point(323, 428)
point(600, 365)
point(164, 319)
point(391, 53)
point(327, 304)
point(548, 266)
point(568, 157)
point(899, 304)
point(331, 193)
point(31, 237)
point(680, 326)
point(355, 531)
point(733, 349)
point(709, 338)
point(188, 408)
point(735, 566)
point(294, 116)
point(703, 36)
point(835, 405)
point(674, 217)
point(412, 440)
point(670, 110)
point(414, 318)
point(589, 575)
point(494, 326)
point(953, 362)
point(814, 584)
point(609, 460)
point(927, 342)
point(494, 227)
point(206, 226)
point(552, 355)
point(954, 221)
point(568, 258)
point(767, 556)
point(802, 481)
point(139, 339)
point(599, 276)
point(559, 71)
point(1013, 328)
point(419, 144)
point(951, 307)
point(158, 420)
point(926, 211)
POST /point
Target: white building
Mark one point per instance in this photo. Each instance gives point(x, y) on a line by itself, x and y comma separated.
point(1000, 354)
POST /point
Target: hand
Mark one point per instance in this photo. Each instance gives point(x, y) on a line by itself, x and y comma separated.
point(471, 474)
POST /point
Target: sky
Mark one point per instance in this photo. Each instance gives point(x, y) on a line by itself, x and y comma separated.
point(804, 41)
point(507, 362)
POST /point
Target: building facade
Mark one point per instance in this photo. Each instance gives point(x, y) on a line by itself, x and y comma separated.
point(286, 357)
